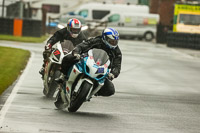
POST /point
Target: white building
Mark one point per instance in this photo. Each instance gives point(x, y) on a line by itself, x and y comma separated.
point(59, 6)
point(66, 6)
point(6, 2)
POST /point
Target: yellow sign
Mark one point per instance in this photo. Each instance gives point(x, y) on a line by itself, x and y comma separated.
point(180, 7)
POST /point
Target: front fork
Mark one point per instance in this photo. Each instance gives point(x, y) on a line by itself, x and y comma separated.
point(94, 91)
point(46, 75)
point(66, 92)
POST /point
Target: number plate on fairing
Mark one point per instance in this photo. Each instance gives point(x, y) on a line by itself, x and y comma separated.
point(100, 70)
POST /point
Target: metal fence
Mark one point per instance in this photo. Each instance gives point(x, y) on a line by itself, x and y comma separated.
point(21, 27)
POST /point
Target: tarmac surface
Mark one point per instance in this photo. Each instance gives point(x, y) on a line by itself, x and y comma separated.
point(158, 91)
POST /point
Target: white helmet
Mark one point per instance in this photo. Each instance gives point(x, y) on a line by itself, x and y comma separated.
point(110, 37)
point(74, 27)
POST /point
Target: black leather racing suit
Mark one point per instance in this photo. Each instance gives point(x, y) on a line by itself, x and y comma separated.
point(62, 35)
point(115, 56)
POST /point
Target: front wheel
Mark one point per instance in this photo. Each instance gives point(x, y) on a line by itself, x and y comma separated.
point(78, 98)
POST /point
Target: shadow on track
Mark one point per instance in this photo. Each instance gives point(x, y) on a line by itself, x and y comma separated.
point(82, 114)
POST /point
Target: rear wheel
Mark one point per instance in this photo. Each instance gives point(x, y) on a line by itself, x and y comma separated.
point(52, 84)
point(148, 36)
point(78, 98)
point(59, 103)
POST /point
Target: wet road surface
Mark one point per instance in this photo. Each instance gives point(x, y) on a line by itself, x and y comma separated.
point(158, 91)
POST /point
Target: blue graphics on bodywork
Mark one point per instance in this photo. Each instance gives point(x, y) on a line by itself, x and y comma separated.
point(95, 66)
point(82, 68)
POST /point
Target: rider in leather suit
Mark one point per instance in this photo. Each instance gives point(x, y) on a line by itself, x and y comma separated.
point(72, 32)
point(108, 42)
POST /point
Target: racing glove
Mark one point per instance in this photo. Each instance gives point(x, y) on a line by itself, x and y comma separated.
point(48, 46)
point(77, 56)
point(111, 76)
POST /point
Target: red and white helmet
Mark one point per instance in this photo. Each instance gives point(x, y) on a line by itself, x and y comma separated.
point(74, 27)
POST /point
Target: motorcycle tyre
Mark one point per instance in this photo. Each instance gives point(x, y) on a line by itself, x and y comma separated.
point(80, 98)
point(59, 103)
point(52, 86)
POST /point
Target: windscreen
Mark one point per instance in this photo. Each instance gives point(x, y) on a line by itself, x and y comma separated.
point(67, 46)
point(99, 14)
point(189, 19)
point(100, 56)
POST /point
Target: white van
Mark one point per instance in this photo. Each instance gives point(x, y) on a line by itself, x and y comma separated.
point(131, 25)
point(129, 20)
point(97, 11)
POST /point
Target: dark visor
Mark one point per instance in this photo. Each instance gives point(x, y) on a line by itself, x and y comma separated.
point(112, 42)
point(75, 31)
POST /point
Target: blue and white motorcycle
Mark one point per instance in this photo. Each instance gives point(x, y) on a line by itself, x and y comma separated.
point(85, 79)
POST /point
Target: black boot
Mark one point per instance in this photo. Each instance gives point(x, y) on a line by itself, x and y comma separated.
point(42, 69)
point(61, 79)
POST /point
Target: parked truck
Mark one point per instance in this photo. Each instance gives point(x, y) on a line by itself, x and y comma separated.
point(187, 18)
point(186, 26)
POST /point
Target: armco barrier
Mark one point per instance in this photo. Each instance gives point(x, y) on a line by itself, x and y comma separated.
point(183, 40)
point(20, 27)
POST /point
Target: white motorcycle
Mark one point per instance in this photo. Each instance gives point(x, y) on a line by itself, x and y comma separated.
point(85, 79)
point(53, 66)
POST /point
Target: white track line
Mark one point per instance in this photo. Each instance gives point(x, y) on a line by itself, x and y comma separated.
point(8, 102)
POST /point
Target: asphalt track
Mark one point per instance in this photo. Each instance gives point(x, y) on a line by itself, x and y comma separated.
point(158, 91)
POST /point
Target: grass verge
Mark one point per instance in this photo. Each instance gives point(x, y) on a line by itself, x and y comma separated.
point(23, 39)
point(12, 62)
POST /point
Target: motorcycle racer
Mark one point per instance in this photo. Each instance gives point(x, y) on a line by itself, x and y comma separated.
point(108, 41)
point(72, 32)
